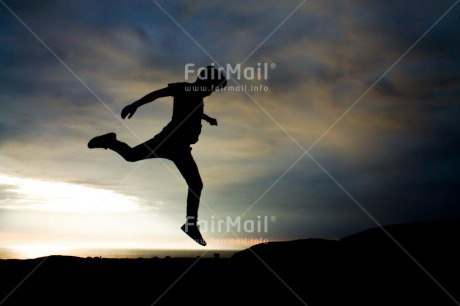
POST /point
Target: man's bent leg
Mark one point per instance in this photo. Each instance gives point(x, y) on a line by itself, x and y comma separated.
point(137, 153)
point(148, 149)
point(152, 148)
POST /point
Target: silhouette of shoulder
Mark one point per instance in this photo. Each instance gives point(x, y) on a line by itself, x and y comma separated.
point(181, 88)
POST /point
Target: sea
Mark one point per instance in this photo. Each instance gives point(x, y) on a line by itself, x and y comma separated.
point(12, 253)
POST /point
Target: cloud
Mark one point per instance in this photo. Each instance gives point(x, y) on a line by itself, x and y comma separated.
point(402, 134)
point(44, 195)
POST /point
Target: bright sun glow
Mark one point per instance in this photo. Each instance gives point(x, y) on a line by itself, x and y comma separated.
point(34, 251)
point(66, 197)
point(54, 223)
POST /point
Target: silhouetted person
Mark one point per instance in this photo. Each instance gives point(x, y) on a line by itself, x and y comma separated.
point(174, 141)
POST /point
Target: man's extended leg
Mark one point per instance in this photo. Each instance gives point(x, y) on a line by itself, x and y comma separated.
point(189, 170)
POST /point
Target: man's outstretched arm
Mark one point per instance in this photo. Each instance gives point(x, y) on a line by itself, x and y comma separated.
point(131, 108)
point(210, 120)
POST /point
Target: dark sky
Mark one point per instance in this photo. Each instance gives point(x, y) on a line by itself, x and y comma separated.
point(395, 151)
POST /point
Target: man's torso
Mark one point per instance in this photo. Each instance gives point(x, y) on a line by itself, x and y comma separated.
point(185, 125)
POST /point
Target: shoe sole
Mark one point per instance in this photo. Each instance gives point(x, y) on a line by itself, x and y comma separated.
point(196, 240)
point(92, 145)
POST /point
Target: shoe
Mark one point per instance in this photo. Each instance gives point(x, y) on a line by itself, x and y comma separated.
point(102, 141)
point(193, 231)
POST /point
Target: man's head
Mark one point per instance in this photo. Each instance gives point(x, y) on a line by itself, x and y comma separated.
point(211, 78)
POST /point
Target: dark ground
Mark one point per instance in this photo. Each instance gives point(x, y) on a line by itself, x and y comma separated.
point(363, 269)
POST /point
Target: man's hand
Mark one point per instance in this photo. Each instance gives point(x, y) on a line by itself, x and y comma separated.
point(212, 121)
point(128, 111)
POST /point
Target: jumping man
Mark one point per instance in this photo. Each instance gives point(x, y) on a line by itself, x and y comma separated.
point(174, 141)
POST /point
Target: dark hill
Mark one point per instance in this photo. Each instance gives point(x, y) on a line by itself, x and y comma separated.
point(367, 268)
point(418, 264)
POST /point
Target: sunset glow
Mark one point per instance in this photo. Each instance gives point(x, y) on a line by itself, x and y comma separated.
point(366, 88)
point(63, 197)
